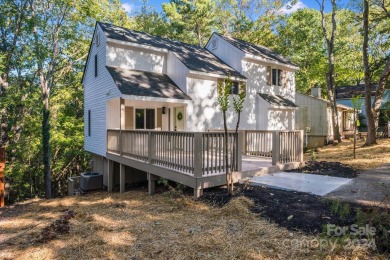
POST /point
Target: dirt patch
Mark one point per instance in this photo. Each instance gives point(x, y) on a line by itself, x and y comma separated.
point(60, 226)
point(307, 213)
point(296, 211)
point(335, 169)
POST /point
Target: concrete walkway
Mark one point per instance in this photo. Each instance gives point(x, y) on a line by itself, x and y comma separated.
point(371, 187)
point(310, 183)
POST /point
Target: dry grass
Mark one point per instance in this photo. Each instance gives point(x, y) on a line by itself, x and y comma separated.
point(137, 226)
point(366, 157)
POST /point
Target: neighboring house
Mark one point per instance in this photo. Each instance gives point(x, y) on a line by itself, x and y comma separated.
point(315, 117)
point(134, 80)
point(344, 96)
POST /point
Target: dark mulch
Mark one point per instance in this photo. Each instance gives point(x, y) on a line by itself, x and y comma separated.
point(310, 213)
point(335, 169)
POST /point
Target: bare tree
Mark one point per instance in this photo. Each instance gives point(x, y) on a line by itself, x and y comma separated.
point(330, 75)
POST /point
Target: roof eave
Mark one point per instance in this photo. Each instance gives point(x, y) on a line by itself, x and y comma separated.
point(157, 99)
point(136, 45)
point(282, 107)
point(219, 76)
point(268, 61)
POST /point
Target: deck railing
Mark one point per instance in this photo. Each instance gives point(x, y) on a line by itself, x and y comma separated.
point(194, 153)
point(281, 146)
point(287, 147)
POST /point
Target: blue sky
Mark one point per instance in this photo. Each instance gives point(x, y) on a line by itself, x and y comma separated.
point(134, 5)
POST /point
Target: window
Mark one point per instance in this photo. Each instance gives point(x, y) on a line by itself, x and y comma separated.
point(96, 65)
point(145, 119)
point(277, 77)
point(97, 39)
point(150, 124)
point(234, 88)
point(89, 122)
point(139, 119)
point(214, 44)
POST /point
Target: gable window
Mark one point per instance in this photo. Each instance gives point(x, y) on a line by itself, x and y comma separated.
point(97, 39)
point(89, 122)
point(96, 65)
point(214, 44)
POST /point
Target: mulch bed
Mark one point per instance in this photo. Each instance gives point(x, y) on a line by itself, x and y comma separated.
point(334, 169)
point(296, 211)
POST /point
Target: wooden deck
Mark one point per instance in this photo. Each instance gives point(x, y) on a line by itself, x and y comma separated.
point(197, 159)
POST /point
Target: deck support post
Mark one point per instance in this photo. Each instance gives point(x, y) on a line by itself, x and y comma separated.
point(198, 192)
point(198, 164)
point(122, 178)
point(275, 147)
point(152, 183)
point(110, 175)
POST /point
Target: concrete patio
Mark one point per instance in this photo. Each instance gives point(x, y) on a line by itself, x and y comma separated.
point(309, 183)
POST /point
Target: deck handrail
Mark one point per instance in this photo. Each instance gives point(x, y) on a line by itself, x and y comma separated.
point(195, 153)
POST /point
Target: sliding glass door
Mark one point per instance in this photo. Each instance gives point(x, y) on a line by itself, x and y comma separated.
point(145, 118)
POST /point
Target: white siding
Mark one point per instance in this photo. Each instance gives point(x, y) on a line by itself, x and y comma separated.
point(256, 74)
point(113, 114)
point(177, 71)
point(136, 59)
point(280, 119)
point(256, 114)
point(226, 52)
point(312, 113)
point(97, 90)
point(203, 112)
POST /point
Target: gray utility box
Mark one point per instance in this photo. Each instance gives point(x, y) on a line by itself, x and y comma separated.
point(91, 181)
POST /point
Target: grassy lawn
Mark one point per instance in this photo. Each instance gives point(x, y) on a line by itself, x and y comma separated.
point(137, 226)
point(366, 157)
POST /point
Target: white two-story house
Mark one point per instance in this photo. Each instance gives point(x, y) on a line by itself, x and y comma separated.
point(137, 81)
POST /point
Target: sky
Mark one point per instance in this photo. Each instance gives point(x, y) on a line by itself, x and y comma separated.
point(135, 5)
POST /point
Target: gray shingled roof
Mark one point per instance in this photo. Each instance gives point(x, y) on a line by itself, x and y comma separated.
point(193, 57)
point(277, 100)
point(257, 50)
point(141, 83)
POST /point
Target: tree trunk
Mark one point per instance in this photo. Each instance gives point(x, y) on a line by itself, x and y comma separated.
point(354, 132)
point(380, 91)
point(330, 80)
point(46, 145)
point(371, 131)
